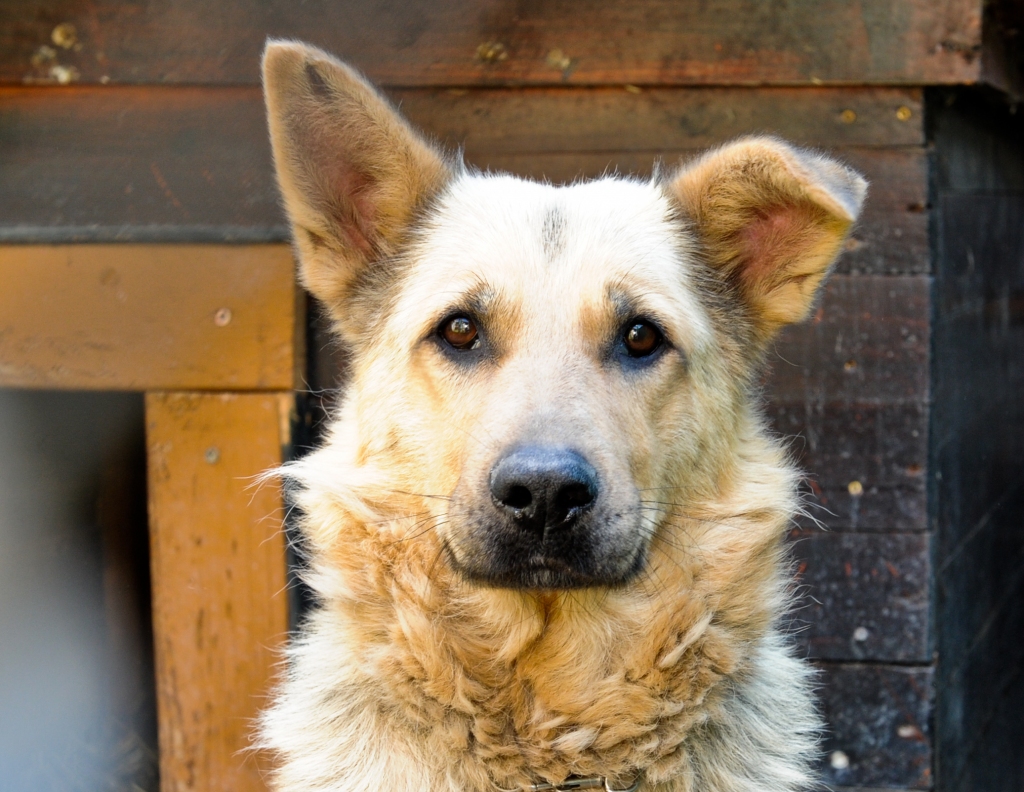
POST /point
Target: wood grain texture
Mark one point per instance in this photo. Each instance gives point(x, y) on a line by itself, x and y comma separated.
point(865, 465)
point(218, 561)
point(190, 164)
point(135, 317)
point(863, 596)
point(181, 164)
point(849, 389)
point(565, 120)
point(867, 343)
point(977, 452)
point(480, 42)
point(865, 707)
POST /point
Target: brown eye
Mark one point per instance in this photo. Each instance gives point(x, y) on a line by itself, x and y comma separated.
point(460, 332)
point(641, 338)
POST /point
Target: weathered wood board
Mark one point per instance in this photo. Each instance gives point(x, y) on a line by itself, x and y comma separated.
point(190, 164)
point(851, 383)
point(864, 596)
point(218, 558)
point(481, 42)
point(143, 317)
point(977, 449)
point(879, 718)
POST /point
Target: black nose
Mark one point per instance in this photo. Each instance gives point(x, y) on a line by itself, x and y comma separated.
point(543, 488)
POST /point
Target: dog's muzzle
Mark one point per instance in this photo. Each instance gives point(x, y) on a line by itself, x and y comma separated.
point(543, 518)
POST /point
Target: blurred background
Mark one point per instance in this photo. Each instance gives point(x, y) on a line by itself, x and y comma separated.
point(156, 354)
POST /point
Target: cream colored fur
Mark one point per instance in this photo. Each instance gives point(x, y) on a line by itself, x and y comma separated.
point(409, 677)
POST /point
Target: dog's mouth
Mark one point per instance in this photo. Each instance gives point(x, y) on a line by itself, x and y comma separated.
point(544, 571)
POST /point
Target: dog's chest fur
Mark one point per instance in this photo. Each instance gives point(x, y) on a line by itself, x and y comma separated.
point(408, 676)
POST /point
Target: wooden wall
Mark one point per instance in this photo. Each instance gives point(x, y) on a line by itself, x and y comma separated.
point(143, 123)
point(977, 453)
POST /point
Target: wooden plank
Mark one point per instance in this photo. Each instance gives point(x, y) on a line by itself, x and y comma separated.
point(218, 561)
point(136, 164)
point(891, 236)
point(977, 450)
point(867, 343)
point(980, 599)
point(865, 464)
point(189, 164)
point(562, 120)
point(878, 717)
point(135, 317)
point(850, 388)
point(863, 596)
point(479, 42)
point(979, 341)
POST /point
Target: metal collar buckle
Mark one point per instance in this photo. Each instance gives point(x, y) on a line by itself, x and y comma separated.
point(573, 784)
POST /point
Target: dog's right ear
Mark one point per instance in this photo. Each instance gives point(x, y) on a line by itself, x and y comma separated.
point(351, 170)
point(772, 218)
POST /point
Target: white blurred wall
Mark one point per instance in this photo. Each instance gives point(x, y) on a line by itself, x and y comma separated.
point(56, 729)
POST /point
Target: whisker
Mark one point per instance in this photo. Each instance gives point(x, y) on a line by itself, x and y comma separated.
point(419, 495)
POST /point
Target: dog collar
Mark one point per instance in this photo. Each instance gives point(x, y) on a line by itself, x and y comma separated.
point(573, 784)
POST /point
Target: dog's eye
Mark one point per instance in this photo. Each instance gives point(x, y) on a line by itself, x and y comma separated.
point(460, 332)
point(641, 338)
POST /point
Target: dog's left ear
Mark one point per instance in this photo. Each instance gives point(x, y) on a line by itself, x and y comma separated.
point(772, 218)
point(351, 170)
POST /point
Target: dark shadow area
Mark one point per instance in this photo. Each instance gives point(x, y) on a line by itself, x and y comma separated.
point(976, 488)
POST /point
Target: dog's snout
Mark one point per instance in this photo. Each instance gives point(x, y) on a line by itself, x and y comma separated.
point(543, 488)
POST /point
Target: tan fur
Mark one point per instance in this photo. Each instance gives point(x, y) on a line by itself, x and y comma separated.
point(408, 676)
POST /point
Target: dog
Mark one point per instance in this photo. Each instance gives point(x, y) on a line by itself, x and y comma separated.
point(545, 529)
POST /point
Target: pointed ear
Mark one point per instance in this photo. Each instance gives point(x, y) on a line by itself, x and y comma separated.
point(772, 218)
point(351, 170)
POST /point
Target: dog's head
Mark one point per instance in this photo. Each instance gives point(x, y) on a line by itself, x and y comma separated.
point(550, 365)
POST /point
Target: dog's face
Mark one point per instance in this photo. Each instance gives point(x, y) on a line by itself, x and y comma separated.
point(523, 352)
point(551, 336)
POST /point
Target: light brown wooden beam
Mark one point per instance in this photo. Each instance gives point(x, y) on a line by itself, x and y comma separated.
point(146, 317)
point(218, 563)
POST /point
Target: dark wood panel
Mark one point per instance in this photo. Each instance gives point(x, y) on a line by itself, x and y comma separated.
point(976, 140)
point(865, 464)
point(502, 122)
point(982, 751)
point(878, 722)
point(471, 42)
point(867, 343)
point(979, 365)
point(860, 789)
point(181, 164)
point(863, 596)
point(980, 594)
point(188, 164)
point(977, 454)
